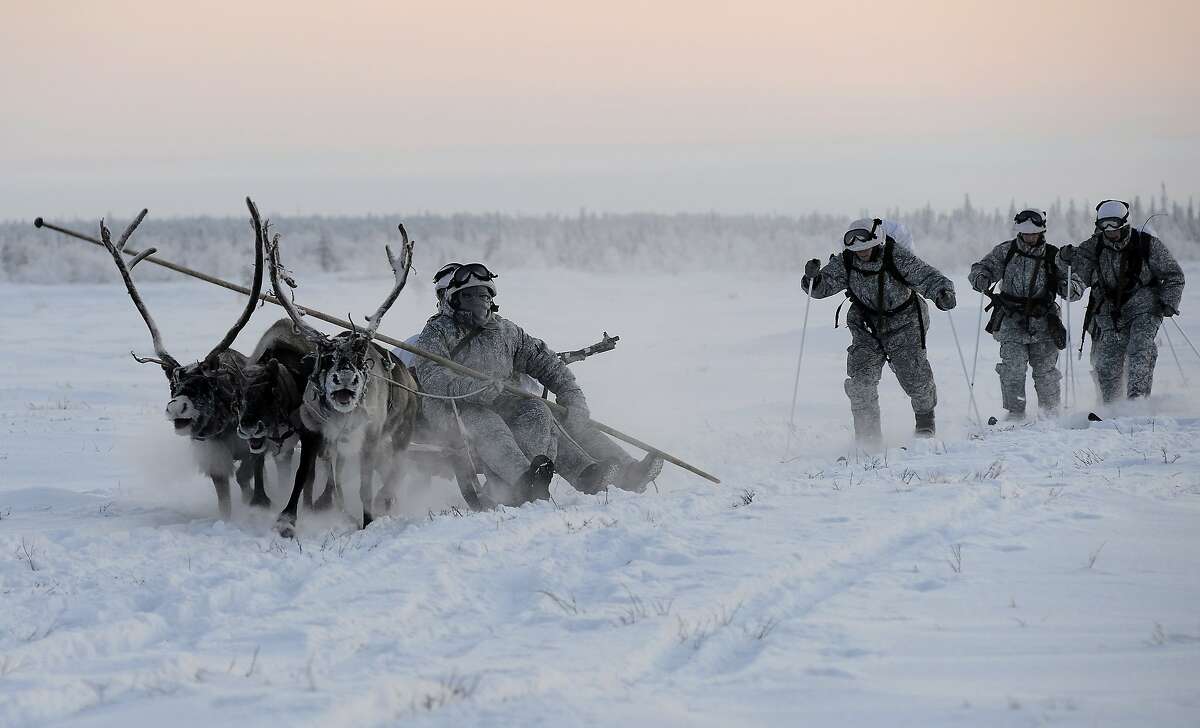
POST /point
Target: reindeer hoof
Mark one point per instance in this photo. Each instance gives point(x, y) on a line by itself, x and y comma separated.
point(367, 519)
point(260, 501)
point(286, 527)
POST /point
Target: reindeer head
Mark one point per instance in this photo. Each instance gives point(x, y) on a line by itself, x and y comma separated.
point(204, 398)
point(205, 394)
point(339, 366)
point(270, 394)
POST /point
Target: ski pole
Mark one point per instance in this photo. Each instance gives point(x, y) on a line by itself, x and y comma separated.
point(975, 363)
point(796, 387)
point(1069, 389)
point(962, 360)
point(1171, 344)
point(1185, 336)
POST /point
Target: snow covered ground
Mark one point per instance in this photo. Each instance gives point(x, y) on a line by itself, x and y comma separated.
point(1041, 574)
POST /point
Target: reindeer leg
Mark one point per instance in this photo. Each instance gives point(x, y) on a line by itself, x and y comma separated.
point(283, 467)
point(221, 483)
point(260, 499)
point(245, 475)
point(386, 498)
point(332, 481)
point(339, 477)
point(308, 487)
point(310, 444)
point(366, 490)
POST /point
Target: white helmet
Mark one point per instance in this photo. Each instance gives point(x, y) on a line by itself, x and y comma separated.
point(1029, 220)
point(441, 279)
point(470, 275)
point(1112, 215)
point(863, 234)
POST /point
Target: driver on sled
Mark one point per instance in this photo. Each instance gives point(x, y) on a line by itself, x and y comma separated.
point(516, 439)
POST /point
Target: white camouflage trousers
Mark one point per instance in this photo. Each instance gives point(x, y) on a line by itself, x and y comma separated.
point(1125, 355)
point(1042, 358)
point(590, 446)
point(506, 435)
point(864, 367)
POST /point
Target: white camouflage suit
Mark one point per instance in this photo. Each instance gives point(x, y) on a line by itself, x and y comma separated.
point(1026, 341)
point(506, 431)
point(896, 339)
point(1124, 323)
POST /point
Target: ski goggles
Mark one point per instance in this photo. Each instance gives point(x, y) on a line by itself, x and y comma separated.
point(860, 235)
point(1112, 222)
point(466, 272)
point(1030, 216)
point(857, 236)
point(445, 270)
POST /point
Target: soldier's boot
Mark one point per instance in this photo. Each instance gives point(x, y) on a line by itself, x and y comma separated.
point(596, 477)
point(925, 425)
point(535, 482)
point(637, 475)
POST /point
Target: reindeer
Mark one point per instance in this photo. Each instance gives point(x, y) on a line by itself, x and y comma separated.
point(272, 386)
point(205, 395)
point(347, 404)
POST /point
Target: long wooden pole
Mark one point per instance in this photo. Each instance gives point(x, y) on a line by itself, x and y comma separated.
point(449, 364)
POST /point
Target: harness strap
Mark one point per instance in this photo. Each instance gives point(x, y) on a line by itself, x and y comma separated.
point(1027, 305)
point(464, 341)
point(1134, 258)
point(888, 266)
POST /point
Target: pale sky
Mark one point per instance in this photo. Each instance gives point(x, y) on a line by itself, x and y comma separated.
point(353, 106)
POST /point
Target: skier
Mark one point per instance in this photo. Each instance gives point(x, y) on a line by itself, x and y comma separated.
point(514, 437)
point(1026, 319)
point(888, 320)
point(1135, 282)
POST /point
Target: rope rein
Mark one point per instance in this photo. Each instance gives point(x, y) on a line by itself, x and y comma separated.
point(454, 403)
point(419, 393)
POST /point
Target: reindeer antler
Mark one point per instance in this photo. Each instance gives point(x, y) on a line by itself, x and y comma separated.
point(400, 267)
point(255, 289)
point(273, 267)
point(164, 359)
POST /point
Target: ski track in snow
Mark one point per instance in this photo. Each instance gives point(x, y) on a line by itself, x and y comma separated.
point(823, 587)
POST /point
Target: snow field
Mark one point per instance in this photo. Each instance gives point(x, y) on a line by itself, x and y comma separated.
point(1022, 575)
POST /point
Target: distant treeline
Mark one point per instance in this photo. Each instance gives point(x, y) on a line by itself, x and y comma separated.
point(586, 241)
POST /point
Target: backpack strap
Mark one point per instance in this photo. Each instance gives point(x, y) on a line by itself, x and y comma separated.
point(1050, 258)
point(462, 343)
point(889, 261)
point(1012, 252)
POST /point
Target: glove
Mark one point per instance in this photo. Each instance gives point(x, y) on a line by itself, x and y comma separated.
point(981, 282)
point(1066, 254)
point(494, 388)
point(945, 299)
point(812, 268)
